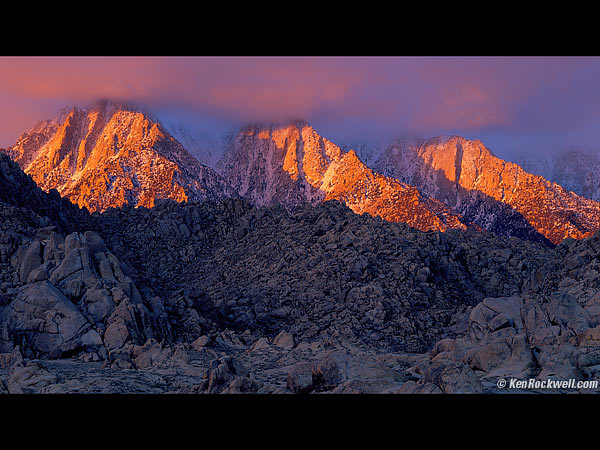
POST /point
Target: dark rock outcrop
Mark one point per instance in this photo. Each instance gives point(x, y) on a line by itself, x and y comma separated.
point(224, 297)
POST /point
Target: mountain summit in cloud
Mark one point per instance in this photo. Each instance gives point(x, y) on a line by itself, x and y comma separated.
point(291, 164)
point(110, 154)
point(497, 195)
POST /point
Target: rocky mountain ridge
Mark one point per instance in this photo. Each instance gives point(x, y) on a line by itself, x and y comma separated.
point(108, 155)
point(291, 164)
point(498, 196)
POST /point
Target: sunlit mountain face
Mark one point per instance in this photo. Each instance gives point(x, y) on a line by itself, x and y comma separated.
point(497, 195)
point(112, 154)
point(292, 164)
point(109, 155)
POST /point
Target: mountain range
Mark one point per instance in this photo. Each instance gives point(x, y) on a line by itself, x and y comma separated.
point(286, 265)
point(111, 154)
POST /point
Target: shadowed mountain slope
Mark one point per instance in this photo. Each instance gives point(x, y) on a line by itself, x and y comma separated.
point(467, 177)
point(291, 164)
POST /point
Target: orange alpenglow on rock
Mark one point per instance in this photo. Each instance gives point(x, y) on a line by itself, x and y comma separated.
point(297, 165)
point(464, 174)
point(110, 155)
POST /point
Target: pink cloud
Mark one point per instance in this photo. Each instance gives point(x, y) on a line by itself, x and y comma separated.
point(253, 84)
point(428, 95)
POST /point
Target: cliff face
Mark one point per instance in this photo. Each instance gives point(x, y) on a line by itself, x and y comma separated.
point(292, 164)
point(110, 155)
point(466, 176)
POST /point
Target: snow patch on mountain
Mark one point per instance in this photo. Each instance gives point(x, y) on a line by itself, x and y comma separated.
point(110, 154)
point(497, 195)
point(206, 147)
point(290, 164)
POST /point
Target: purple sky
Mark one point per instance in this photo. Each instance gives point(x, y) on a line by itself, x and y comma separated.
point(513, 104)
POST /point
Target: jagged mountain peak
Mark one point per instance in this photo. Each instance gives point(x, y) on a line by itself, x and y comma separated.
point(108, 105)
point(106, 108)
point(267, 127)
point(291, 164)
point(100, 105)
point(108, 154)
point(445, 143)
point(499, 196)
point(405, 147)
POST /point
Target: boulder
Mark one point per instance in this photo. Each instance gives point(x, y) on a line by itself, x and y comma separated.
point(12, 359)
point(242, 385)
point(200, 343)
point(300, 378)
point(44, 321)
point(32, 259)
point(155, 354)
point(341, 372)
point(449, 377)
point(116, 335)
point(284, 340)
point(222, 372)
point(260, 344)
point(30, 379)
point(98, 303)
point(504, 357)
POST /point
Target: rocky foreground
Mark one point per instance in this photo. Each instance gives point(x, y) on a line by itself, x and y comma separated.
point(229, 298)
